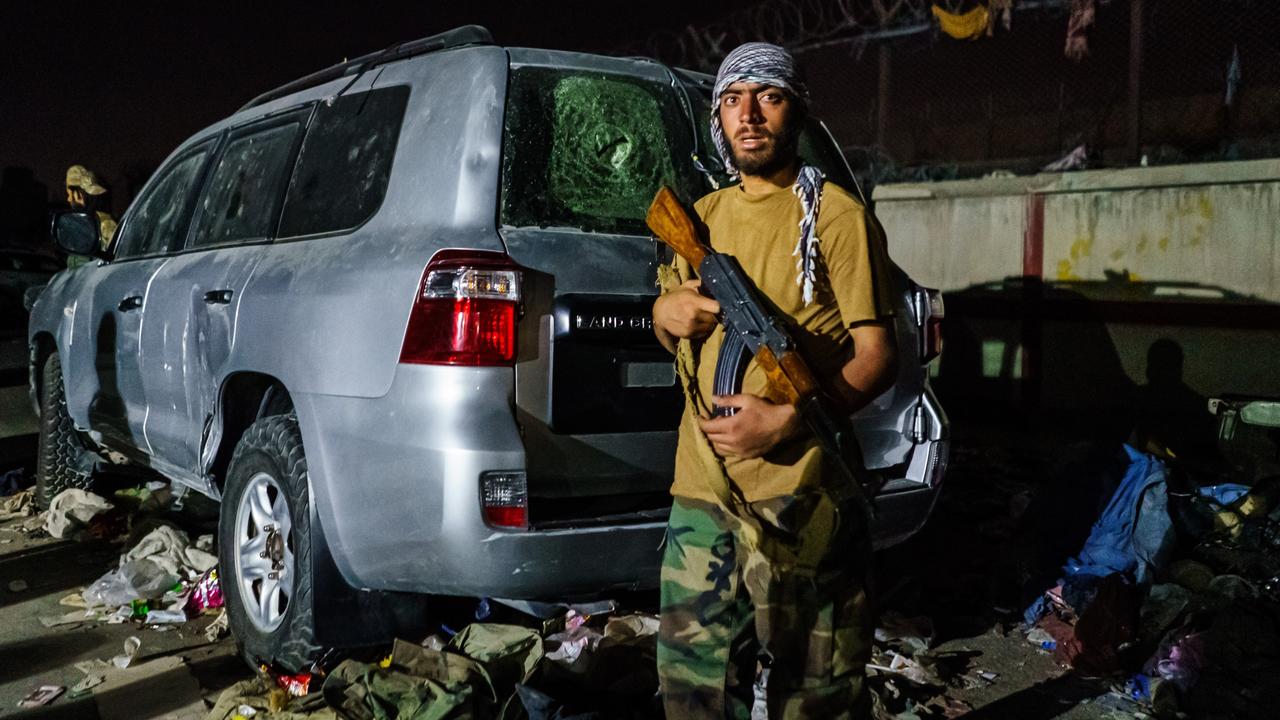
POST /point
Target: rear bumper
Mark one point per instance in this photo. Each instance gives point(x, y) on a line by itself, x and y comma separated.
point(395, 481)
point(899, 515)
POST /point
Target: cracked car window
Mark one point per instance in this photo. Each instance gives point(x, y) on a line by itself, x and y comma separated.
point(161, 217)
point(589, 150)
point(345, 162)
point(243, 197)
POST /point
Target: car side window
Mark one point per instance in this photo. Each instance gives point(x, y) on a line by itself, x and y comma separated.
point(242, 202)
point(345, 162)
point(160, 220)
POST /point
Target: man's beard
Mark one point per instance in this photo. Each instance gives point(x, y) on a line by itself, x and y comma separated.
point(775, 156)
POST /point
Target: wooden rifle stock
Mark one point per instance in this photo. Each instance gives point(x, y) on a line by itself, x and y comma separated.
point(790, 379)
point(669, 220)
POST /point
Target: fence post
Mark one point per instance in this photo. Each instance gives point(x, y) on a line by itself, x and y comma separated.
point(1135, 79)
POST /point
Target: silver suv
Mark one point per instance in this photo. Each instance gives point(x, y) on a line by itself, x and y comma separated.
point(396, 316)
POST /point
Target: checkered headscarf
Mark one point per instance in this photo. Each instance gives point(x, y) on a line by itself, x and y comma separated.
point(771, 65)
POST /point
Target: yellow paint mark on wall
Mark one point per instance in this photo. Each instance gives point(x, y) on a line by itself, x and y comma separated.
point(1065, 272)
point(1164, 243)
point(1206, 207)
point(1117, 254)
point(1143, 242)
point(1082, 247)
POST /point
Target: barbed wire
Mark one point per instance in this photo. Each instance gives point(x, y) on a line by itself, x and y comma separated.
point(790, 23)
point(801, 25)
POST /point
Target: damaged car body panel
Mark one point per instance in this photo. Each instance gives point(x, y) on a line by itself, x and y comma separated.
point(296, 261)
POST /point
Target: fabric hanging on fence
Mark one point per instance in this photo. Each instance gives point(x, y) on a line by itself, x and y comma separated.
point(1002, 9)
point(1082, 15)
point(967, 26)
point(1233, 76)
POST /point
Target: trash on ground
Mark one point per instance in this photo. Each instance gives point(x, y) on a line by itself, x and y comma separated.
point(218, 627)
point(206, 594)
point(172, 550)
point(87, 683)
point(908, 668)
point(71, 510)
point(165, 617)
point(140, 579)
point(913, 634)
point(42, 695)
point(75, 616)
point(131, 645)
point(474, 676)
point(296, 684)
point(18, 505)
point(248, 698)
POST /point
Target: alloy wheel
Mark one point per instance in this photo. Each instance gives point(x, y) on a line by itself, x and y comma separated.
point(264, 552)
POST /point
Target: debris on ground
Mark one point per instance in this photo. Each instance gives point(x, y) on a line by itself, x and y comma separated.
point(18, 505)
point(42, 695)
point(72, 510)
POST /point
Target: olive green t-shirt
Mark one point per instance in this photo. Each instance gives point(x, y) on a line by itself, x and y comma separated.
point(761, 231)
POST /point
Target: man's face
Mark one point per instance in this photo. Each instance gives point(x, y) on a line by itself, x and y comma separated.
point(758, 123)
point(75, 197)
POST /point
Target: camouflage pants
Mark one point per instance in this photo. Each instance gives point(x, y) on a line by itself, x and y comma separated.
point(724, 610)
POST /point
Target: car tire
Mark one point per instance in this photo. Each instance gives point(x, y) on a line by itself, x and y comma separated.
point(60, 446)
point(264, 547)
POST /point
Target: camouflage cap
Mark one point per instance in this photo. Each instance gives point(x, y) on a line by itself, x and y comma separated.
point(83, 178)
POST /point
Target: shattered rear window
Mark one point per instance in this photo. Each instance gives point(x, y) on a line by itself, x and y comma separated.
point(345, 162)
point(589, 150)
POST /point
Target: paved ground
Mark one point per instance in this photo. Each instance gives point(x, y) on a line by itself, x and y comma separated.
point(962, 571)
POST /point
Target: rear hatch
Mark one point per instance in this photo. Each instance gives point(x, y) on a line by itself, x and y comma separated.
point(587, 142)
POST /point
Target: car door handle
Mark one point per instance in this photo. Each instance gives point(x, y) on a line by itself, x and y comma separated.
point(133, 302)
point(218, 297)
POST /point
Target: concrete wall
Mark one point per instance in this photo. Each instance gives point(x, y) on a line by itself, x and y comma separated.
point(1211, 223)
point(1214, 225)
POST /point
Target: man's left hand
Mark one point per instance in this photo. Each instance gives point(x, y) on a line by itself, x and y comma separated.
point(757, 427)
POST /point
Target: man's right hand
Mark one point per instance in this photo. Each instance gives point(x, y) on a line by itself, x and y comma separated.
point(684, 313)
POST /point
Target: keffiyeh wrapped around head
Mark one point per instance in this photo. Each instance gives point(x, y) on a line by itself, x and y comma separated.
point(767, 64)
point(753, 62)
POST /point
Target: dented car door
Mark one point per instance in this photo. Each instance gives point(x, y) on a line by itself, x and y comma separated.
point(191, 328)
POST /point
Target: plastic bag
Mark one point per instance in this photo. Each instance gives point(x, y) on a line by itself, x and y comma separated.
point(135, 579)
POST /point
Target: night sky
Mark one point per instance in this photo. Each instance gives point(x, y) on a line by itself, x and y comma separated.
point(117, 85)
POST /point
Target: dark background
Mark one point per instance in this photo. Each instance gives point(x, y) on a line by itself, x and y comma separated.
point(115, 86)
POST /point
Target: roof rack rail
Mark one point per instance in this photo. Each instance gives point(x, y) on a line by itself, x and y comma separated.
point(457, 37)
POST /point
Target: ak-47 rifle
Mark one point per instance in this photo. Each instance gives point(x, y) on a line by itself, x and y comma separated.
point(751, 331)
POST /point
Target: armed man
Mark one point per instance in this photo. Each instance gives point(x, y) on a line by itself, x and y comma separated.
point(84, 192)
point(768, 553)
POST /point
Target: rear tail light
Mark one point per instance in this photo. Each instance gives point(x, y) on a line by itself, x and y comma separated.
point(929, 314)
point(465, 312)
point(939, 454)
point(504, 498)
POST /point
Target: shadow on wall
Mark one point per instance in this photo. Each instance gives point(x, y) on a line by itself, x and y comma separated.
point(1004, 361)
point(1101, 358)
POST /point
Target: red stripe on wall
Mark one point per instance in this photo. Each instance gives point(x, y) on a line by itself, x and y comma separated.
point(1033, 237)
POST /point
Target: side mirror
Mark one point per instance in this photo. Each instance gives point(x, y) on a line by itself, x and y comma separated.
point(77, 232)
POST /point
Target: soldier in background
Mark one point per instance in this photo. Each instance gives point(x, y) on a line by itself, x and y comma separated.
point(85, 193)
